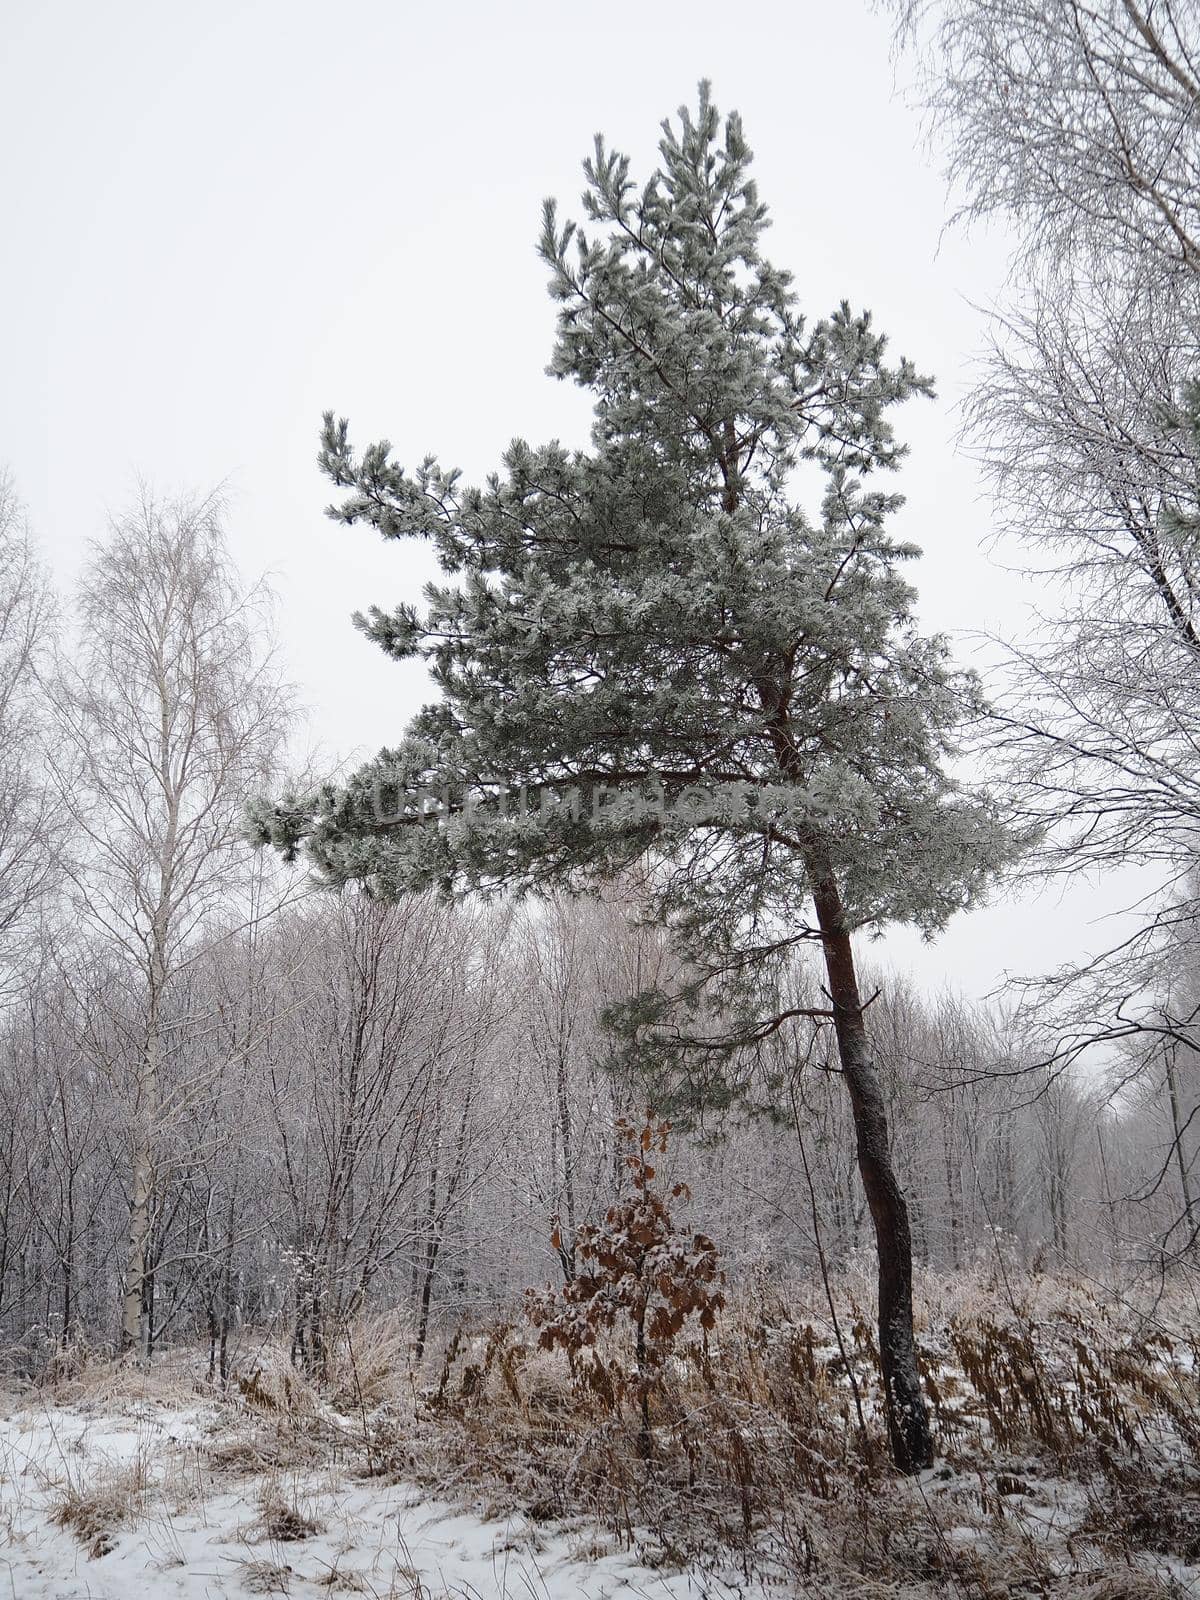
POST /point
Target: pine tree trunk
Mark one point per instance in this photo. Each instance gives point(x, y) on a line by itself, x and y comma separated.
point(907, 1419)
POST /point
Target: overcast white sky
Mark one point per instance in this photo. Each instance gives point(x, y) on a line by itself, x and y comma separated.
point(221, 219)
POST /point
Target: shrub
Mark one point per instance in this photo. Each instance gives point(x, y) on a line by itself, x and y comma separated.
point(642, 1269)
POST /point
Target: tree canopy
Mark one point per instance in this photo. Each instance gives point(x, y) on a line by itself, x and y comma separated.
point(657, 636)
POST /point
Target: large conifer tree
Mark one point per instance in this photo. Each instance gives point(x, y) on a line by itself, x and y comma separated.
point(682, 662)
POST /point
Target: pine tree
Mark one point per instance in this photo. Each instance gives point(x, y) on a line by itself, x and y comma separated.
point(675, 660)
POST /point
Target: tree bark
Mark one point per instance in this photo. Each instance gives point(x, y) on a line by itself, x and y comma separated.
point(134, 1321)
point(423, 1273)
point(907, 1419)
point(566, 1248)
point(644, 1447)
point(1177, 1128)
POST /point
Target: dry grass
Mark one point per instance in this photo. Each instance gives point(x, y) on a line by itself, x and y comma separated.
point(271, 1386)
point(94, 1510)
point(281, 1517)
point(264, 1577)
point(368, 1364)
point(1068, 1428)
point(89, 1379)
point(283, 1422)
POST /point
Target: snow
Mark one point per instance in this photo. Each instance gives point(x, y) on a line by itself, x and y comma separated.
point(191, 1533)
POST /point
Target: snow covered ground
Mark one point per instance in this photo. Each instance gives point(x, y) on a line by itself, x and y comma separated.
point(150, 1519)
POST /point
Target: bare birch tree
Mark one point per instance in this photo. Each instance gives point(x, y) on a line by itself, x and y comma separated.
point(1079, 125)
point(169, 712)
point(30, 827)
